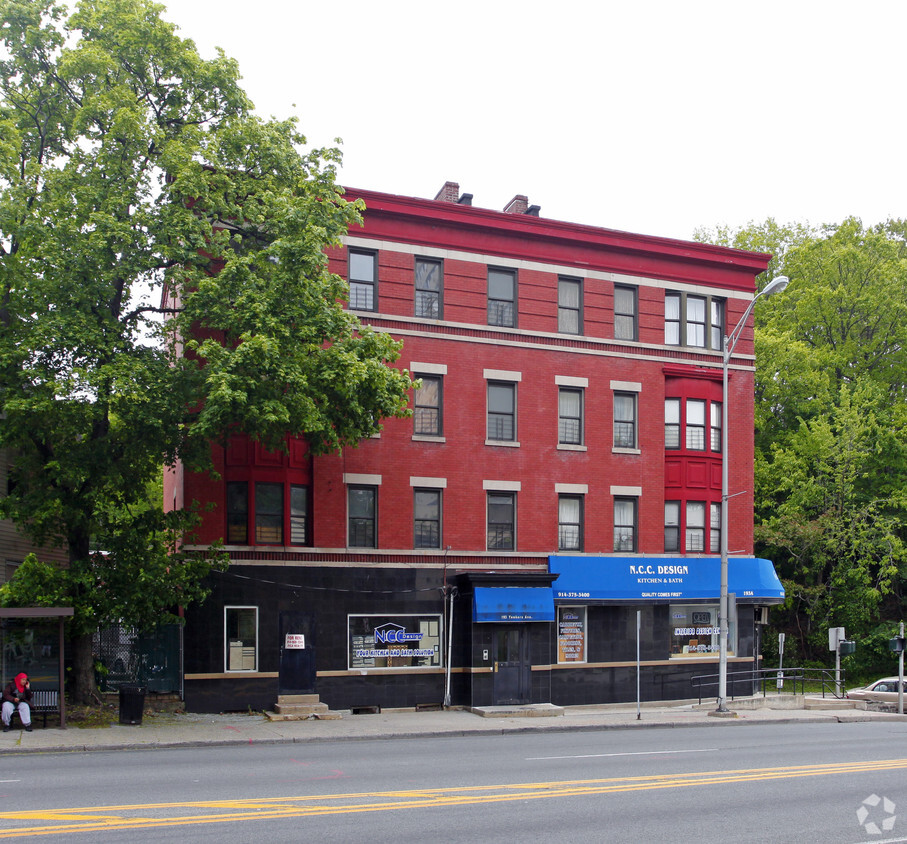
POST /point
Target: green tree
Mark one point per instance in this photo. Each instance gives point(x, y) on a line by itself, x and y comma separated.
point(831, 514)
point(136, 184)
point(831, 441)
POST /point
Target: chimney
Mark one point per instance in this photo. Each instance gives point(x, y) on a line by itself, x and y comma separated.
point(449, 193)
point(465, 199)
point(518, 205)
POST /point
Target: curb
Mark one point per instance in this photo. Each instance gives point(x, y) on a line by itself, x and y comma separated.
point(170, 744)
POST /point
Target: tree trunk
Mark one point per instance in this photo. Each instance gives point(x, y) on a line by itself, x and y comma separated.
point(84, 689)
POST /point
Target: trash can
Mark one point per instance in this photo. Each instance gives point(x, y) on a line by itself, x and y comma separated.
point(132, 702)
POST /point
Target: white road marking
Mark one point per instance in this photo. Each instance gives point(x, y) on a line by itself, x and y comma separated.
point(636, 753)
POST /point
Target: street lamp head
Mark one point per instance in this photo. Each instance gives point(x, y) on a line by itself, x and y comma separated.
point(776, 285)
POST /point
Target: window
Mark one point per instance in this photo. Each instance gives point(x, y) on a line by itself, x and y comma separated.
point(427, 407)
point(241, 638)
point(394, 641)
point(299, 515)
point(717, 324)
point(429, 288)
point(570, 523)
point(625, 420)
point(570, 306)
point(501, 535)
point(502, 298)
point(672, 319)
point(570, 416)
point(715, 525)
point(696, 321)
point(363, 516)
point(363, 280)
point(625, 322)
point(571, 634)
point(672, 423)
point(268, 513)
point(427, 518)
point(695, 531)
point(624, 524)
point(237, 512)
point(715, 411)
point(672, 526)
point(501, 411)
point(695, 425)
point(695, 630)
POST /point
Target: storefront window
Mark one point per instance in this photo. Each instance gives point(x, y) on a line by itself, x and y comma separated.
point(571, 634)
point(394, 641)
point(695, 632)
point(241, 638)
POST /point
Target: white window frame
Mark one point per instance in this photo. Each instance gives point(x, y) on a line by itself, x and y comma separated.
point(228, 657)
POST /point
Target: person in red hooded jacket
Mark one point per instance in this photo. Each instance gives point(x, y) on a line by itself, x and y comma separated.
point(17, 694)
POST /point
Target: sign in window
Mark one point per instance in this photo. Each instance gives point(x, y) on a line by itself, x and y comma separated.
point(394, 641)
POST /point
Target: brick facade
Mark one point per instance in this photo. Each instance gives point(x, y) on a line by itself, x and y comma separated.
point(613, 357)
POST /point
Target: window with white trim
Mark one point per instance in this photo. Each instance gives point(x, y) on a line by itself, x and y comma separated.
point(240, 639)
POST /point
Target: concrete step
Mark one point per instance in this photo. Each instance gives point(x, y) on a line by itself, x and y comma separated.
point(301, 699)
point(529, 710)
point(301, 708)
point(829, 703)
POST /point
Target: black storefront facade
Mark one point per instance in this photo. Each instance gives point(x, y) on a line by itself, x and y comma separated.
point(419, 636)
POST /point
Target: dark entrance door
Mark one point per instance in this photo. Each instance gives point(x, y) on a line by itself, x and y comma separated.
point(511, 666)
point(297, 664)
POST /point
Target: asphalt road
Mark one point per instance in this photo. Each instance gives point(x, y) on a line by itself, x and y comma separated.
point(772, 783)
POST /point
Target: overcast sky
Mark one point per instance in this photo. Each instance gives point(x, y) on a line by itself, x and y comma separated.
point(652, 117)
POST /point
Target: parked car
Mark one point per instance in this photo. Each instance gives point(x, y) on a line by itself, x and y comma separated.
point(885, 689)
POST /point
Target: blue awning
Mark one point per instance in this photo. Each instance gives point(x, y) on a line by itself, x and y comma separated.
point(513, 603)
point(642, 579)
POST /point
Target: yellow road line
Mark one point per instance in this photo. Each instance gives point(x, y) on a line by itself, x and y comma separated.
point(99, 819)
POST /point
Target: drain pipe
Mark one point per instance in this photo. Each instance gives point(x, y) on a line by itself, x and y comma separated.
point(452, 594)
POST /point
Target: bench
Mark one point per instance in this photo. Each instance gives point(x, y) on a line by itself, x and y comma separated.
point(43, 702)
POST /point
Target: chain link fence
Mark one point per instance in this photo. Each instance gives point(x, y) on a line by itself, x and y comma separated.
point(127, 657)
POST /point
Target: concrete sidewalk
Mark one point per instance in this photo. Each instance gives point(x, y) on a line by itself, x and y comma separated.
point(161, 730)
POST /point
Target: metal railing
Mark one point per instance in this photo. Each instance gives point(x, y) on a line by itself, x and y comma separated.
point(784, 681)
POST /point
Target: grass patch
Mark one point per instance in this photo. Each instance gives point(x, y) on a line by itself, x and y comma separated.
point(92, 717)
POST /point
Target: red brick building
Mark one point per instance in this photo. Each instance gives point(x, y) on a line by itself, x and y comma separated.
point(561, 472)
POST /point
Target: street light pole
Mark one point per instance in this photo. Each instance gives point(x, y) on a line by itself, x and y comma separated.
point(730, 342)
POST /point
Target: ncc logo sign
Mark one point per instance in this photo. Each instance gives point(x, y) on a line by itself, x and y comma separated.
point(391, 634)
